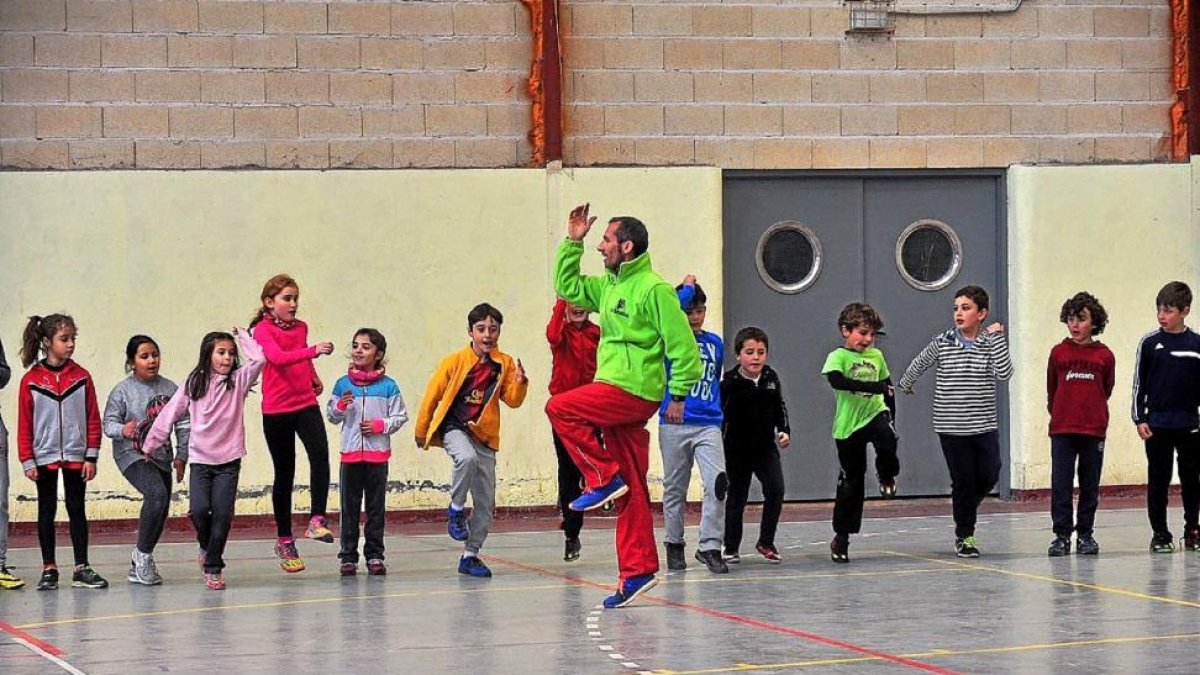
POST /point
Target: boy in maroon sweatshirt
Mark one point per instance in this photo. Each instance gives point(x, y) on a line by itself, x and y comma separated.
point(1079, 381)
point(573, 340)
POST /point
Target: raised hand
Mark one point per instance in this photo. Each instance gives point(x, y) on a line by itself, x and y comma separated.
point(996, 328)
point(521, 377)
point(324, 348)
point(578, 223)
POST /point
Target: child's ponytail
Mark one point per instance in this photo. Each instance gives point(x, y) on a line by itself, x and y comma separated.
point(31, 341)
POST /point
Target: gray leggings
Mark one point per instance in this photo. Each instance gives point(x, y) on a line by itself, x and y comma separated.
point(155, 486)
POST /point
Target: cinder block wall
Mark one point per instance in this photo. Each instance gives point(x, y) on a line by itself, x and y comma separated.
point(779, 85)
point(186, 84)
point(100, 84)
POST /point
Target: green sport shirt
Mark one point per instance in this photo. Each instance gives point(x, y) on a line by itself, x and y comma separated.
point(856, 409)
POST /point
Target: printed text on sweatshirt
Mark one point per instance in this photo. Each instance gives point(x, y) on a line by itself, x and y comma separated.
point(1079, 380)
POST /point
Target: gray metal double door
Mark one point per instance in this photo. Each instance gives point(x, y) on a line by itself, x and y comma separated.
point(858, 220)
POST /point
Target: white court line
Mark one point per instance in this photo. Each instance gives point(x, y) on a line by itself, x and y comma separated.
point(48, 656)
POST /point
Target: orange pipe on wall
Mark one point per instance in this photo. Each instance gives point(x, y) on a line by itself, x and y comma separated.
point(1185, 69)
point(545, 82)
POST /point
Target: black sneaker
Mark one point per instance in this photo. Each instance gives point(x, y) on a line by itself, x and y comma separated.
point(887, 488)
point(48, 580)
point(1060, 547)
point(86, 577)
point(732, 558)
point(676, 560)
point(1191, 539)
point(966, 547)
point(571, 549)
point(1085, 545)
point(713, 561)
point(1162, 542)
point(839, 549)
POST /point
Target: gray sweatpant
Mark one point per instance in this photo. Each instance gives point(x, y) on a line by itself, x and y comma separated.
point(682, 445)
point(474, 472)
point(3, 493)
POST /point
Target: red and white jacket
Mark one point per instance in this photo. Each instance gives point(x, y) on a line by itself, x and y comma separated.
point(58, 420)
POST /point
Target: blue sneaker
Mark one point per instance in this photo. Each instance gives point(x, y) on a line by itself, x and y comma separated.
point(592, 499)
point(456, 525)
point(629, 590)
point(473, 566)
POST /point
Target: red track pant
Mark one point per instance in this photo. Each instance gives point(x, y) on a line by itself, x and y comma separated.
point(604, 430)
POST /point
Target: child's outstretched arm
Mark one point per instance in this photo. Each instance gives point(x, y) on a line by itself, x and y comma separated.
point(558, 323)
point(256, 360)
point(919, 365)
point(175, 409)
point(842, 383)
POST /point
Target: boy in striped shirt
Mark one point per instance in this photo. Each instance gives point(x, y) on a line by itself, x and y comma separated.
point(970, 359)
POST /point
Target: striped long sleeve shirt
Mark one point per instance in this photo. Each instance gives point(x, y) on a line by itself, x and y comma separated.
point(964, 398)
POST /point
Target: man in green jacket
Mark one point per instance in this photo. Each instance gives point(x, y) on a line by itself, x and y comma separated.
point(603, 424)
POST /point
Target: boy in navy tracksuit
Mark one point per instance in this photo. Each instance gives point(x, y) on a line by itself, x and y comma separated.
point(1166, 395)
point(695, 437)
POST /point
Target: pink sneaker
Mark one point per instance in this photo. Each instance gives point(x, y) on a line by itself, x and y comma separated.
point(215, 582)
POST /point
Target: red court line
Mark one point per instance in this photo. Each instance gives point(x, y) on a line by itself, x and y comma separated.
point(743, 620)
point(40, 644)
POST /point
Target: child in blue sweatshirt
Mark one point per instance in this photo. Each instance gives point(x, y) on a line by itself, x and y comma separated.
point(695, 437)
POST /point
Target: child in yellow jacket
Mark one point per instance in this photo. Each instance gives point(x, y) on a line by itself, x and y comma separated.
point(461, 413)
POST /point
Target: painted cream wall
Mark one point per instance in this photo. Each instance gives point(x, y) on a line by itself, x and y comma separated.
point(1119, 232)
point(175, 255)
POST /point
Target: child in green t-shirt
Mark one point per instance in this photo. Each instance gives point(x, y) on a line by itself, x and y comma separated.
point(865, 408)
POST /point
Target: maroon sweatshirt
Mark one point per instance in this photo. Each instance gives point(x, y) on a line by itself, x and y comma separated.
point(1079, 380)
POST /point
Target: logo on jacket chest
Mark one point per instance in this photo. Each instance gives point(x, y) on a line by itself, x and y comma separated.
point(619, 309)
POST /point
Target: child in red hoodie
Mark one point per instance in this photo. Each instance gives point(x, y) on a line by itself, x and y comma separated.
point(1079, 381)
point(573, 340)
point(58, 432)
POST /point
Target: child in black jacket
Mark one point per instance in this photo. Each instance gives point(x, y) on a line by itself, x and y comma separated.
point(754, 430)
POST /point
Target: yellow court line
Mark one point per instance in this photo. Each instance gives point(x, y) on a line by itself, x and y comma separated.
point(741, 667)
point(713, 579)
point(1055, 580)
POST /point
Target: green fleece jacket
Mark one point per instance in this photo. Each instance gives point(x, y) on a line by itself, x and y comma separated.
point(641, 325)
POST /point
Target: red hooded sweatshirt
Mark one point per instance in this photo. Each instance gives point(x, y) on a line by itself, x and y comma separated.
point(573, 350)
point(1079, 380)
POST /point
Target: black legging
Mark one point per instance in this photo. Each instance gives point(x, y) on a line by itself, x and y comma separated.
point(281, 431)
point(74, 489)
point(568, 489)
point(769, 471)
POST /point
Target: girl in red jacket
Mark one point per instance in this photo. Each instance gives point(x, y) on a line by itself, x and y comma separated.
point(58, 431)
point(573, 341)
point(1079, 380)
point(290, 409)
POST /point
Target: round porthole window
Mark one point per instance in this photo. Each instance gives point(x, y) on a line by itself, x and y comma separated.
point(928, 254)
point(789, 257)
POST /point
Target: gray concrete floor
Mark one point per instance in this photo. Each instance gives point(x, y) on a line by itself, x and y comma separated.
point(903, 604)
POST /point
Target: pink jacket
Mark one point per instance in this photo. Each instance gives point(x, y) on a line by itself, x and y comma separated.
point(218, 428)
point(287, 380)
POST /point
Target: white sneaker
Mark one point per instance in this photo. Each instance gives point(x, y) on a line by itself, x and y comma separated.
point(142, 570)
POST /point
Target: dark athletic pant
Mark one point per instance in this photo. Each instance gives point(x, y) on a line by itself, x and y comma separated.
point(1161, 447)
point(568, 490)
point(974, 464)
point(281, 431)
point(359, 480)
point(852, 456)
point(213, 489)
point(1065, 450)
point(766, 468)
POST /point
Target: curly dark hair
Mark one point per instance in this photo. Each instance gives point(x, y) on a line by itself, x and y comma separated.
point(1083, 300)
point(858, 314)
